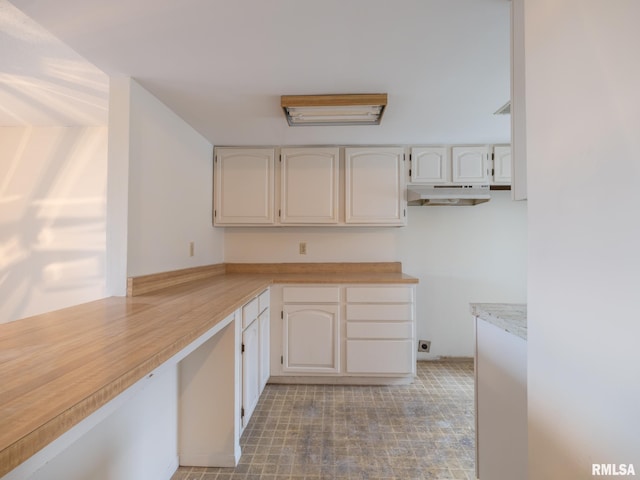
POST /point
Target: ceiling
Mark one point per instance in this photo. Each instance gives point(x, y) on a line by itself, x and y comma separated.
point(222, 65)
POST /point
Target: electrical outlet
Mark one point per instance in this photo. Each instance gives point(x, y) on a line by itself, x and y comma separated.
point(424, 345)
point(303, 248)
point(192, 249)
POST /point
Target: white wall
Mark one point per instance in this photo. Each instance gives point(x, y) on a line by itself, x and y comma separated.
point(52, 218)
point(160, 189)
point(583, 119)
point(463, 255)
point(54, 202)
point(170, 191)
point(460, 255)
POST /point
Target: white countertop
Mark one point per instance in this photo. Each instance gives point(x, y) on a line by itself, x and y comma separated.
point(511, 317)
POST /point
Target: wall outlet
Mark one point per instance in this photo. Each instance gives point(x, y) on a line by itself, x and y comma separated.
point(303, 248)
point(192, 249)
point(424, 345)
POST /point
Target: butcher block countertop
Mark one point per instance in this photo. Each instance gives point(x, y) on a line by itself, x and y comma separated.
point(58, 368)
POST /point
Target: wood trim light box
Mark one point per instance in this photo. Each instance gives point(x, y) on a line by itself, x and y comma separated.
point(344, 109)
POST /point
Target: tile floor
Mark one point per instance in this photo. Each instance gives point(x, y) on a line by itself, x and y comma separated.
point(420, 431)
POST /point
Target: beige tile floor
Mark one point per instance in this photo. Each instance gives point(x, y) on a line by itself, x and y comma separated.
point(420, 431)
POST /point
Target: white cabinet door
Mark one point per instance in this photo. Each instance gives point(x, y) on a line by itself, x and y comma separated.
point(311, 338)
point(470, 165)
point(309, 185)
point(250, 370)
point(244, 181)
point(502, 164)
point(375, 186)
point(265, 339)
point(431, 165)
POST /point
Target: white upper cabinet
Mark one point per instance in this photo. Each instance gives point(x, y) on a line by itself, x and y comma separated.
point(502, 164)
point(375, 186)
point(430, 165)
point(309, 185)
point(470, 164)
point(244, 182)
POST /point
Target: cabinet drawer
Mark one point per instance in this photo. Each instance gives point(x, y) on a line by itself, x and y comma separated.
point(379, 330)
point(311, 294)
point(380, 356)
point(249, 312)
point(390, 312)
point(263, 301)
point(380, 294)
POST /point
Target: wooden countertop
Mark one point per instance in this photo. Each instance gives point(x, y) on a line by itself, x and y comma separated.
point(59, 367)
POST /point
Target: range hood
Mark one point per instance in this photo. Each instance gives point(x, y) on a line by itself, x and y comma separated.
point(447, 194)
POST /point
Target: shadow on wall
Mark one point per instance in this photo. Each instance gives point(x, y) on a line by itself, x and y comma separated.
point(52, 218)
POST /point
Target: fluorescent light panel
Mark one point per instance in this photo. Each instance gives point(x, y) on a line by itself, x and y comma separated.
point(346, 109)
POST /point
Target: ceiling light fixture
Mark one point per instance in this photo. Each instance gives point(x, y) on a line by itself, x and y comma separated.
point(345, 109)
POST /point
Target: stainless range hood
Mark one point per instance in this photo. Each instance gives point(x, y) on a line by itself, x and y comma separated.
point(447, 194)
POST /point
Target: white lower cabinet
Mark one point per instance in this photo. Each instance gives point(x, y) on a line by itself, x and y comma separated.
point(380, 330)
point(250, 370)
point(311, 338)
point(311, 330)
point(265, 338)
point(344, 331)
point(254, 348)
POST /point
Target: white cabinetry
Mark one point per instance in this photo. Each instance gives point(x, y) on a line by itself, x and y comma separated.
point(244, 180)
point(470, 165)
point(344, 334)
point(502, 164)
point(380, 330)
point(311, 330)
point(430, 165)
point(309, 185)
point(375, 186)
point(254, 349)
point(264, 321)
point(466, 165)
point(250, 370)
